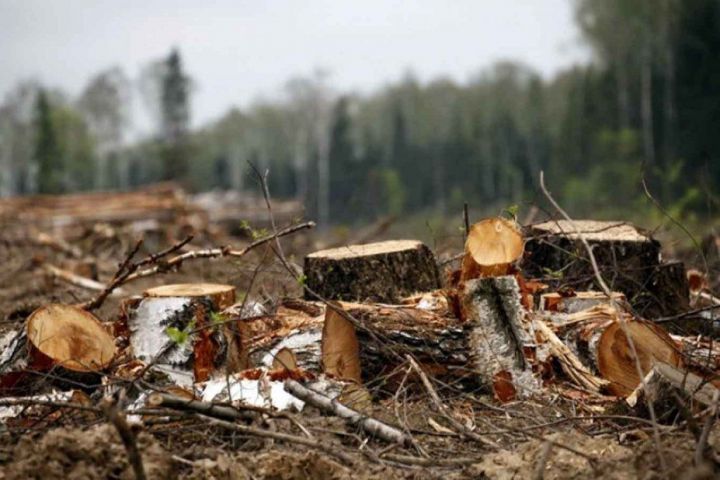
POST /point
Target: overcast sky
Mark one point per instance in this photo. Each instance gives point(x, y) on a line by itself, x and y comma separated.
point(238, 50)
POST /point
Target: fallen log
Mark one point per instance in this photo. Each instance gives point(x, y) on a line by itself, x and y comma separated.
point(370, 425)
point(380, 272)
point(177, 328)
point(68, 337)
point(67, 340)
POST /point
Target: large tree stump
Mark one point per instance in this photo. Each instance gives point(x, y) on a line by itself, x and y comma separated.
point(627, 257)
point(379, 272)
point(175, 327)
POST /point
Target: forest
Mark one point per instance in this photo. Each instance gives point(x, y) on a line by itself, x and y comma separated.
point(643, 111)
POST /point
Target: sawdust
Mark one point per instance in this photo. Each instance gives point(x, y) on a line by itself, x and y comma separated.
point(83, 454)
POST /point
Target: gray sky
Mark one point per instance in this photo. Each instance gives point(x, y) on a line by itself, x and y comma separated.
point(239, 50)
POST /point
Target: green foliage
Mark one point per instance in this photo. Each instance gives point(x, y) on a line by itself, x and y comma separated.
point(179, 337)
point(48, 154)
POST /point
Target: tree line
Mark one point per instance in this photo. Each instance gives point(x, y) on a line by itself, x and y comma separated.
point(644, 109)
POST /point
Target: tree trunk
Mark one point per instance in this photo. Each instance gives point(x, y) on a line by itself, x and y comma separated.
point(646, 94)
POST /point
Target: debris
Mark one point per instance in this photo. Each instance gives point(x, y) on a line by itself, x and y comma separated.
point(380, 272)
point(576, 301)
point(368, 424)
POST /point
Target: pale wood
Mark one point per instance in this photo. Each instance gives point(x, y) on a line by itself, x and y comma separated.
point(340, 347)
point(492, 245)
point(72, 338)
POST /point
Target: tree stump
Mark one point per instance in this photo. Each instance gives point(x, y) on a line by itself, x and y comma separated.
point(176, 327)
point(498, 335)
point(380, 272)
point(627, 257)
point(65, 339)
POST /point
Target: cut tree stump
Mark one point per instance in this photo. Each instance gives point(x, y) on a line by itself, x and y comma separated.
point(627, 257)
point(498, 336)
point(65, 339)
point(173, 326)
point(379, 272)
point(69, 337)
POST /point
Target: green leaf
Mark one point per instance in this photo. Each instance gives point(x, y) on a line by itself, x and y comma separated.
point(176, 335)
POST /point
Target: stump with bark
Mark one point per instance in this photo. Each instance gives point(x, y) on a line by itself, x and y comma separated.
point(627, 257)
point(379, 272)
point(178, 329)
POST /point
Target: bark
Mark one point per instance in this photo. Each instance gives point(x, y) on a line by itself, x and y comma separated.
point(664, 385)
point(628, 260)
point(370, 425)
point(380, 272)
point(498, 335)
point(185, 311)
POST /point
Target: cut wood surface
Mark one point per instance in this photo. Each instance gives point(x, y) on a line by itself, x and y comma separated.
point(173, 327)
point(492, 246)
point(615, 359)
point(71, 338)
point(380, 272)
point(340, 347)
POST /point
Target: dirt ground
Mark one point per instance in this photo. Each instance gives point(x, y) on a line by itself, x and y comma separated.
point(550, 436)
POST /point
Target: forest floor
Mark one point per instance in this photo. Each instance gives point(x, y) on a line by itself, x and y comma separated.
point(548, 436)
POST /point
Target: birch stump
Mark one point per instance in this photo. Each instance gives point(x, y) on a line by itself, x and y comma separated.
point(379, 272)
point(173, 328)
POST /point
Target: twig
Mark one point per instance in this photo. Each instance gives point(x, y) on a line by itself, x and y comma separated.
point(216, 252)
point(205, 408)
point(370, 425)
point(128, 438)
point(73, 278)
point(439, 405)
point(701, 449)
point(322, 445)
point(466, 219)
point(125, 269)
